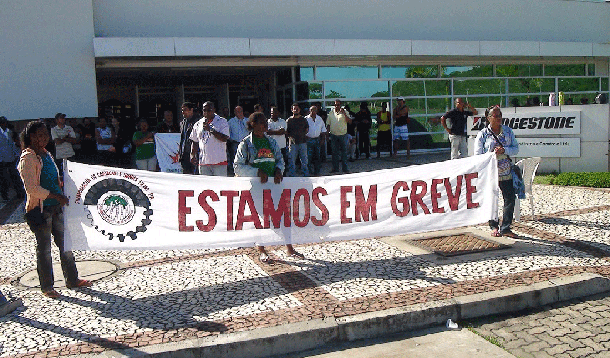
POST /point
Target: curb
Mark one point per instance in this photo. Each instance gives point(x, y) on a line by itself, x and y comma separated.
point(301, 336)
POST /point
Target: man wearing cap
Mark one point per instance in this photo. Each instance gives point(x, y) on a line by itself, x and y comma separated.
point(456, 127)
point(401, 128)
point(63, 136)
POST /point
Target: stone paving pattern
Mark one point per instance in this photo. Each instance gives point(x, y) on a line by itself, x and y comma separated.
point(170, 296)
point(578, 328)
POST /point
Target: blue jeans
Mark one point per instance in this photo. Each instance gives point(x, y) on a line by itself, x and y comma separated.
point(339, 146)
point(52, 224)
point(300, 151)
point(508, 194)
point(313, 155)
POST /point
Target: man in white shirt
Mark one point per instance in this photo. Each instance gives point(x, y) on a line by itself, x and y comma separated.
point(209, 138)
point(63, 136)
point(238, 130)
point(277, 130)
point(315, 140)
point(9, 154)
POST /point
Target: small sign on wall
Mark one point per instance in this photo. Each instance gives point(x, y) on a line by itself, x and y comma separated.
point(535, 123)
point(549, 147)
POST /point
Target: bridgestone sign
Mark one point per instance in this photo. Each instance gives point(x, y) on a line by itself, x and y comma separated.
point(538, 133)
point(531, 124)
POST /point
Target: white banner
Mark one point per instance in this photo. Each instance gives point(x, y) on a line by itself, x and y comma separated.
point(120, 209)
point(549, 147)
point(532, 123)
point(167, 146)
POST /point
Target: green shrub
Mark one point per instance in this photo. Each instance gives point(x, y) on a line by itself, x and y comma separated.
point(594, 180)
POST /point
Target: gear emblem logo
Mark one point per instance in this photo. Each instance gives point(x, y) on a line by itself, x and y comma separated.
point(118, 208)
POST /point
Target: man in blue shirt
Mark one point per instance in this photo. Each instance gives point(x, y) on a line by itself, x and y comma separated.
point(238, 130)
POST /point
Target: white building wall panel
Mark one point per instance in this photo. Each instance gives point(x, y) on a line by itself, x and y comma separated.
point(447, 48)
point(476, 20)
point(190, 46)
point(566, 49)
point(509, 48)
point(47, 59)
point(134, 46)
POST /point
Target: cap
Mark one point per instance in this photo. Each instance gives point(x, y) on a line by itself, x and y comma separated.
point(60, 115)
point(400, 99)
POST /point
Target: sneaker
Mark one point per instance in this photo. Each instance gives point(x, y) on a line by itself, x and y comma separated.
point(79, 283)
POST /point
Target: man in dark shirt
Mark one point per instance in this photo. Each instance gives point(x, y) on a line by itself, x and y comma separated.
point(296, 130)
point(168, 125)
point(456, 127)
point(186, 127)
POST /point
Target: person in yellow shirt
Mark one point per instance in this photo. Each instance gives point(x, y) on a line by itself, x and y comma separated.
point(337, 121)
point(384, 131)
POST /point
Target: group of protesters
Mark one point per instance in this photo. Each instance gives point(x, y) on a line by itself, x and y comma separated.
point(254, 146)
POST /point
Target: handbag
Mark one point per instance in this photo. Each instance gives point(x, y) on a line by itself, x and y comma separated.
point(518, 184)
point(34, 217)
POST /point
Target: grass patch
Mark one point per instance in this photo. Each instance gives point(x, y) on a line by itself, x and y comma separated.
point(545, 178)
point(491, 339)
point(592, 180)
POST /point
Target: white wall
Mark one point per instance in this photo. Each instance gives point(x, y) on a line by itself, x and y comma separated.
point(46, 59)
point(473, 20)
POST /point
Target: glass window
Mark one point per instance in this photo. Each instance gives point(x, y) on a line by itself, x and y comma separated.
point(531, 85)
point(438, 88)
point(467, 71)
point(346, 72)
point(482, 86)
point(578, 84)
point(408, 88)
point(591, 69)
point(306, 74)
point(528, 101)
point(605, 84)
point(284, 77)
point(409, 71)
point(518, 70)
point(302, 91)
point(439, 105)
point(356, 89)
point(315, 90)
point(486, 101)
point(564, 70)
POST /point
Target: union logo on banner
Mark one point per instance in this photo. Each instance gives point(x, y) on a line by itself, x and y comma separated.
point(116, 204)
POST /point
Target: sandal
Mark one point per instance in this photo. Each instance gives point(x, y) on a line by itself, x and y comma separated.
point(495, 233)
point(79, 283)
point(297, 255)
point(510, 234)
point(51, 293)
point(264, 258)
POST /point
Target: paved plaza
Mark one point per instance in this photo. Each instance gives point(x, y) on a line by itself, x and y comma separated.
point(149, 298)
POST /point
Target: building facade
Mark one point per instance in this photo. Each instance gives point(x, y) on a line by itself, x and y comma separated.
point(137, 59)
